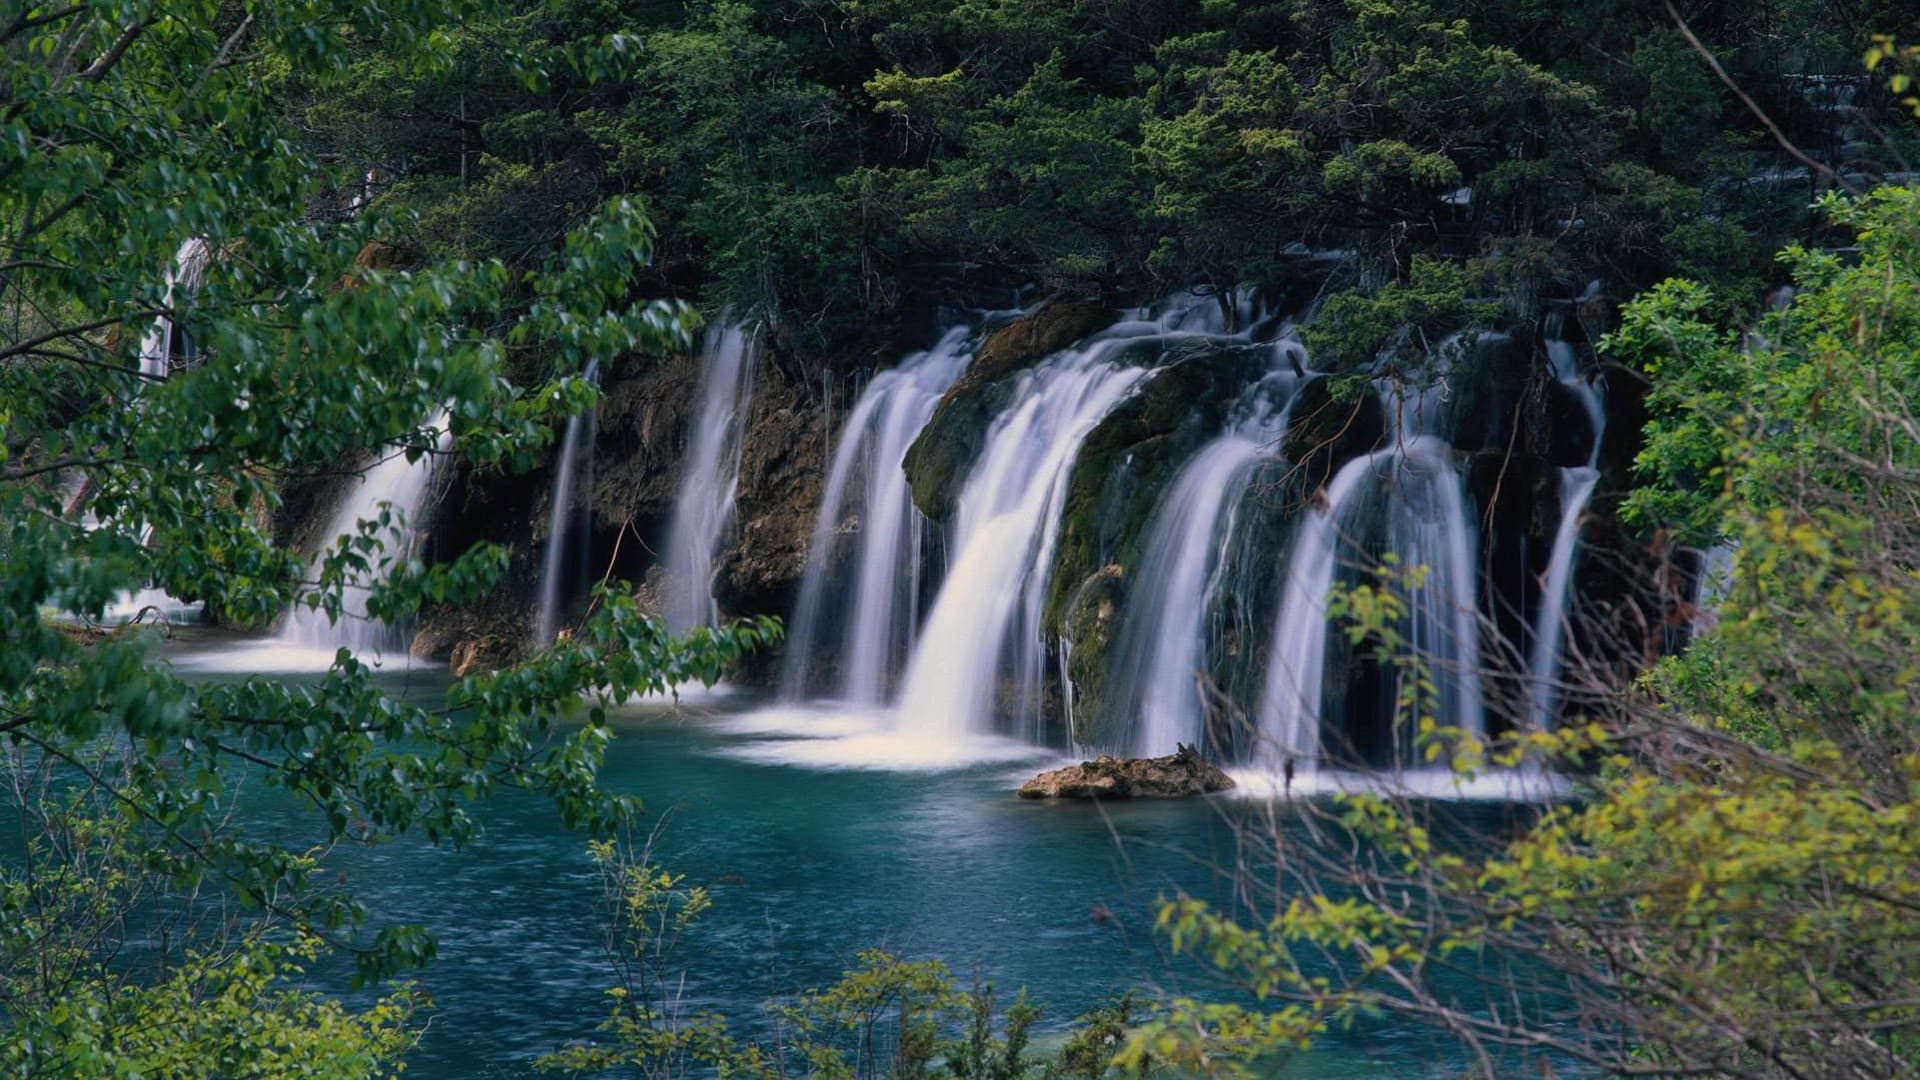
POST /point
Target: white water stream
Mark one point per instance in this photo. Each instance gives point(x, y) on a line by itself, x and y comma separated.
point(393, 493)
point(867, 538)
point(709, 477)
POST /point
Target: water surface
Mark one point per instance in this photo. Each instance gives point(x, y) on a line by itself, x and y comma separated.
point(808, 864)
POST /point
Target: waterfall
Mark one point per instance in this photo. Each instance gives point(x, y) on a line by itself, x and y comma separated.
point(188, 270)
point(1289, 710)
point(868, 525)
point(1429, 532)
point(1162, 641)
point(157, 346)
point(393, 485)
point(1576, 490)
point(709, 477)
point(986, 619)
point(579, 435)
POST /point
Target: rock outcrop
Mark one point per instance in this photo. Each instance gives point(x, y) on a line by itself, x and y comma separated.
point(938, 462)
point(1331, 423)
point(782, 472)
point(1179, 775)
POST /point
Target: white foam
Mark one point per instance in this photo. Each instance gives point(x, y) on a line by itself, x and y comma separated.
point(809, 720)
point(827, 735)
point(691, 693)
point(1491, 785)
point(280, 657)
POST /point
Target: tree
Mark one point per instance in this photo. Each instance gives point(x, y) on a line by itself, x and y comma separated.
point(1732, 893)
point(130, 132)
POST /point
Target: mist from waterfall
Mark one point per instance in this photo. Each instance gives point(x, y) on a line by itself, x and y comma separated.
point(393, 493)
point(859, 598)
point(1577, 485)
point(578, 436)
point(708, 480)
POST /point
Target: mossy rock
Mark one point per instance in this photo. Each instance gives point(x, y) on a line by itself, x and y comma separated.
point(1090, 622)
point(1251, 586)
point(1118, 480)
point(1333, 421)
point(938, 461)
point(1126, 461)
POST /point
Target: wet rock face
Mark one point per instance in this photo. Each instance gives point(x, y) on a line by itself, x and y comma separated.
point(480, 655)
point(646, 409)
point(1182, 774)
point(938, 462)
point(782, 471)
point(1331, 423)
point(1091, 620)
point(494, 634)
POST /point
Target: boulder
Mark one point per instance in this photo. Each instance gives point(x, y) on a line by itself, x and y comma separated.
point(1021, 342)
point(480, 655)
point(1181, 774)
point(938, 461)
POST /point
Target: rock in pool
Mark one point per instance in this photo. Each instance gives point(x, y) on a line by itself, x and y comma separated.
point(1181, 774)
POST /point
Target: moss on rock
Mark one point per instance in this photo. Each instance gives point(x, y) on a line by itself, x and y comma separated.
point(938, 461)
point(1118, 480)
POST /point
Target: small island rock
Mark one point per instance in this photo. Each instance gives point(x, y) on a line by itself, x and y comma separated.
point(1181, 774)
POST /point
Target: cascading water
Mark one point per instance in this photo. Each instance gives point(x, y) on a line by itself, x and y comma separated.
point(578, 436)
point(188, 270)
point(704, 507)
point(1289, 710)
point(157, 348)
point(1199, 593)
point(393, 483)
point(868, 527)
point(1576, 490)
point(986, 618)
point(1163, 640)
point(1426, 529)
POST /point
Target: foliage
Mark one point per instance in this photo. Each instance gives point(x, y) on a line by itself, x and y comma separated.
point(1732, 893)
point(1902, 61)
point(1739, 412)
point(312, 343)
point(1399, 324)
point(834, 163)
point(220, 1008)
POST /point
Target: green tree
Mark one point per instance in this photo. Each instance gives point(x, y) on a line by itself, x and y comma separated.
point(128, 129)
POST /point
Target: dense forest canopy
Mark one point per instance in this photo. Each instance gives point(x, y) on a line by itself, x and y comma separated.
point(832, 162)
